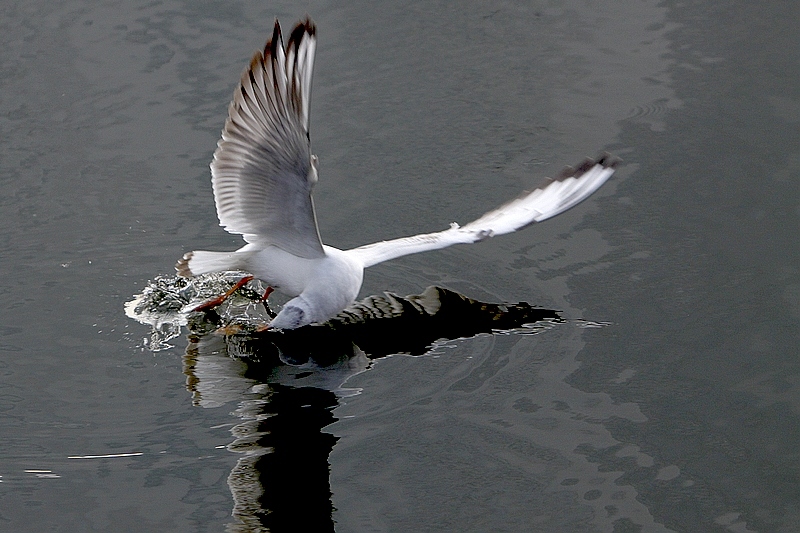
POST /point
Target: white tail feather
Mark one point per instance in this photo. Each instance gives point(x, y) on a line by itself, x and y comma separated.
point(200, 262)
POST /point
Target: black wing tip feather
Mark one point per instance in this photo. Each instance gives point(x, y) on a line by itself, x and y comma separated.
point(274, 41)
point(302, 28)
point(605, 160)
point(305, 26)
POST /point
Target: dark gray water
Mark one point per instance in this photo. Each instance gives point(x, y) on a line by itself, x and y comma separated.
point(667, 401)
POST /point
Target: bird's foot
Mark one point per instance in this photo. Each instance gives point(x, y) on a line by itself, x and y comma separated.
point(229, 330)
point(211, 304)
point(238, 329)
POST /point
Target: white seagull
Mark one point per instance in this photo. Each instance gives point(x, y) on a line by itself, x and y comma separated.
point(263, 173)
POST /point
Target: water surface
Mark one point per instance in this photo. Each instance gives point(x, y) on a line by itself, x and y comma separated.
point(678, 413)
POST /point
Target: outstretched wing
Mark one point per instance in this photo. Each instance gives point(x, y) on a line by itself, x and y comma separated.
point(570, 188)
point(263, 171)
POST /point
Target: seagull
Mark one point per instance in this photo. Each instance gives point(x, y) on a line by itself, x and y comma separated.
point(263, 174)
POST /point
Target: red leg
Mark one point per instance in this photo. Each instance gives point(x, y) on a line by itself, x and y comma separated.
point(211, 304)
point(267, 292)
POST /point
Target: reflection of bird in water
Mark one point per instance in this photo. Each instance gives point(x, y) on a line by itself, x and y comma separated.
point(263, 173)
point(378, 326)
point(375, 326)
point(281, 479)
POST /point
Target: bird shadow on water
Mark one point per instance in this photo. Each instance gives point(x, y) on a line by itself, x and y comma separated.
point(288, 383)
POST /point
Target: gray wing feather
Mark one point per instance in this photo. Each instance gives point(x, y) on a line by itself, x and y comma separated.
point(263, 171)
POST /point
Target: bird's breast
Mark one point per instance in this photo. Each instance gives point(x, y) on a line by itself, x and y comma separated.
point(335, 275)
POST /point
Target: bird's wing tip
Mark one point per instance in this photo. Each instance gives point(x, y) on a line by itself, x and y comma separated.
point(305, 26)
point(605, 160)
